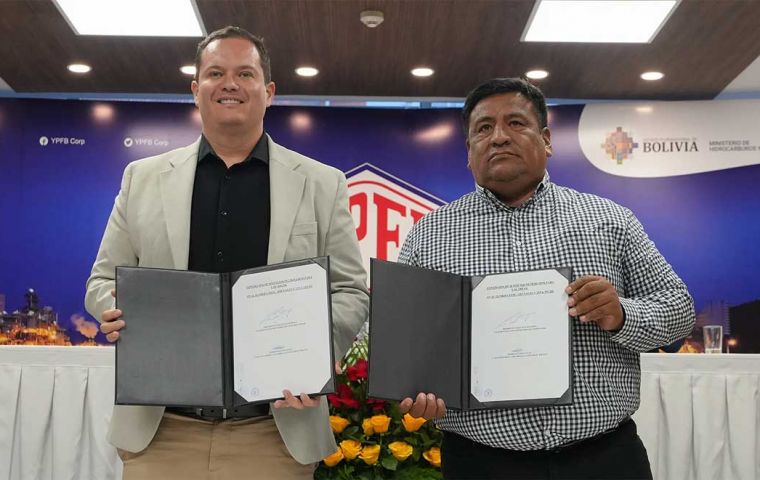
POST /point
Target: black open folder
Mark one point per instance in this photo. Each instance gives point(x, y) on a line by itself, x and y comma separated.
point(177, 345)
point(420, 337)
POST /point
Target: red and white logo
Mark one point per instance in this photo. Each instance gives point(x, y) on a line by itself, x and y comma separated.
point(384, 209)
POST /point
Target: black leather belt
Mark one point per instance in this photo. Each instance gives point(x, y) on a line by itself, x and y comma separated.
point(216, 413)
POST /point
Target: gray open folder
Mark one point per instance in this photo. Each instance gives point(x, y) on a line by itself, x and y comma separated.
point(224, 340)
point(494, 341)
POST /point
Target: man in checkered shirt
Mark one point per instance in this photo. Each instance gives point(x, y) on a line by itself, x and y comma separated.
point(625, 298)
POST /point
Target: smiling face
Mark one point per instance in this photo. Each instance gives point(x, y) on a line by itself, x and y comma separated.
point(231, 92)
point(507, 150)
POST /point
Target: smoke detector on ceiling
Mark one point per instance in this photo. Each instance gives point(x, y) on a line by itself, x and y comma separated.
point(371, 18)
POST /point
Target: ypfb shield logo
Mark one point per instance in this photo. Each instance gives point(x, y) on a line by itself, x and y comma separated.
point(384, 209)
point(619, 145)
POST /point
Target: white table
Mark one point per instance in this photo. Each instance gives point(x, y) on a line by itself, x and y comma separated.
point(699, 415)
point(55, 406)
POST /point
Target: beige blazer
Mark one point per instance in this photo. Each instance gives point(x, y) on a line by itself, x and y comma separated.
point(149, 226)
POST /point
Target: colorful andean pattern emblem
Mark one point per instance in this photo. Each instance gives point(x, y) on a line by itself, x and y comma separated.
point(619, 145)
point(384, 209)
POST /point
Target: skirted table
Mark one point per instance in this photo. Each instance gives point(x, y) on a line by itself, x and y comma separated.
point(699, 415)
point(55, 406)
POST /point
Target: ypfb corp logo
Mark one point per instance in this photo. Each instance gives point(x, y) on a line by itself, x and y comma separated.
point(130, 142)
point(384, 209)
point(67, 141)
point(619, 145)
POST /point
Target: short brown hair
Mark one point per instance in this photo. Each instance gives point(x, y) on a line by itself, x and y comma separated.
point(236, 32)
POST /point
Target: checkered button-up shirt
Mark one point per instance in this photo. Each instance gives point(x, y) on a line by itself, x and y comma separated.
point(478, 235)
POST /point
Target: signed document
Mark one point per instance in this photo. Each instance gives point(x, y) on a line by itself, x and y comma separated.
point(281, 332)
point(520, 337)
point(224, 339)
point(493, 341)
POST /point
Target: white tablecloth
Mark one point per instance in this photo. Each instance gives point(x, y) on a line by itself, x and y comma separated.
point(55, 405)
point(699, 415)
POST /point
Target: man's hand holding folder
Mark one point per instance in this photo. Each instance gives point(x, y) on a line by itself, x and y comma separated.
point(424, 405)
point(111, 322)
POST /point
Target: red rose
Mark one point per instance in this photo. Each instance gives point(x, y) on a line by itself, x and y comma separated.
point(344, 391)
point(357, 371)
point(376, 405)
point(344, 397)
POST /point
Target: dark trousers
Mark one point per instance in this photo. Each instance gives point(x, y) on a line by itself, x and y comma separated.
point(618, 454)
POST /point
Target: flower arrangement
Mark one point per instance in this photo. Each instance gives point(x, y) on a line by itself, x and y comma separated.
point(374, 440)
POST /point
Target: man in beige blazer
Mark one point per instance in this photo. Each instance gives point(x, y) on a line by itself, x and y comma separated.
point(150, 226)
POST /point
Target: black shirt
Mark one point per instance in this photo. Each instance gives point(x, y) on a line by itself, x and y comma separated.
point(229, 224)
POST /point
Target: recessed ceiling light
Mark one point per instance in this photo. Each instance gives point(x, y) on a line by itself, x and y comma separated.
point(537, 74)
point(188, 69)
point(422, 72)
point(79, 68)
point(652, 75)
point(597, 21)
point(165, 18)
point(306, 71)
point(371, 18)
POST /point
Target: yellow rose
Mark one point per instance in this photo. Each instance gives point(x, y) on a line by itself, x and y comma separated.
point(400, 450)
point(351, 448)
point(338, 423)
point(334, 459)
point(370, 454)
point(367, 427)
point(433, 456)
point(380, 423)
point(412, 424)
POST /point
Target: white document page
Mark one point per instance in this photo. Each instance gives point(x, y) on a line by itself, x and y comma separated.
point(520, 337)
point(281, 332)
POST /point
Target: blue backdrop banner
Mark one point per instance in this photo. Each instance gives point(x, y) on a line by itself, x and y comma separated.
point(692, 185)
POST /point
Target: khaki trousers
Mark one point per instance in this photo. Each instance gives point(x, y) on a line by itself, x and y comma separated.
point(186, 448)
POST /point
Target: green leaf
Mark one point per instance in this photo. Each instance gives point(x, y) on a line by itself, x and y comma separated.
point(346, 472)
point(417, 472)
point(389, 463)
point(321, 473)
point(417, 454)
